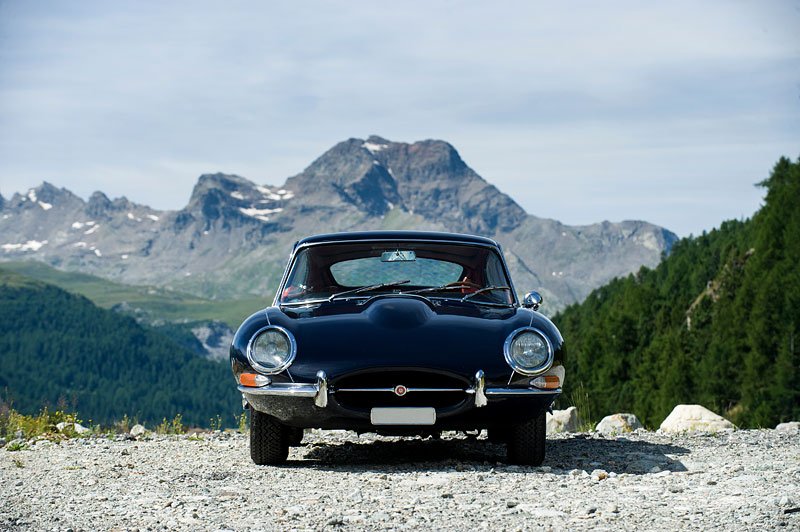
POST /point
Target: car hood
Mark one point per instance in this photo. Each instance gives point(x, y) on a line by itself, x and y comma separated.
point(396, 332)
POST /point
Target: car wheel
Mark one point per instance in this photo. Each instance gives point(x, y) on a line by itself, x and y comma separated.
point(526, 442)
point(269, 441)
point(295, 436)
point(497, 435)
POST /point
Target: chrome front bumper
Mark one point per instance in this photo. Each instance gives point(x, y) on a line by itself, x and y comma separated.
point(319, 390)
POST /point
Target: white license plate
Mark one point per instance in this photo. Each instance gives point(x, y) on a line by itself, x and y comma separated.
point(403, 416)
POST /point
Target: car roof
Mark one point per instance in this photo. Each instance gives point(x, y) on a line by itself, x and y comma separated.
point(397, 235)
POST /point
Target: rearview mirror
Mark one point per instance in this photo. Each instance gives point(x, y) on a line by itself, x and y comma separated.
point(398, 256)
point(533, 300)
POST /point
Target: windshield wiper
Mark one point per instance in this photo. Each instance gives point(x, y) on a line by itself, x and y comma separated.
point(487, 289)
point(367, 289)
point(443, 288)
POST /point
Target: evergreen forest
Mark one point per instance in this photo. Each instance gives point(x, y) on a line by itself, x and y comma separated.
point(717, 323)
point(59, 349)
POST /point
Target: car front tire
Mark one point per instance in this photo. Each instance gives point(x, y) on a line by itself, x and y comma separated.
point(526, 442)
point(269, 439)
point(295, 436)
point(497, 435)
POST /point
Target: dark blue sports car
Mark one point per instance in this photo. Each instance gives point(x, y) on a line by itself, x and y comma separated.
point(398, 333)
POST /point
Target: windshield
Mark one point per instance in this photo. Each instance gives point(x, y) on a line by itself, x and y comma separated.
point(365, 269)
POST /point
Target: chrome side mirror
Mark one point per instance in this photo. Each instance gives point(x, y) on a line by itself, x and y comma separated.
point(533, 300)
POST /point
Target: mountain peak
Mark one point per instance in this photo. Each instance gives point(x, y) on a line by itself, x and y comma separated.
point(98, 205)
point(235, 189)
point(427, 177)
point(224, 181)
point(48, 188)
point(232, 197)
point(374, 143)
point(217, 184)
point(350, 173)
point(45, 196)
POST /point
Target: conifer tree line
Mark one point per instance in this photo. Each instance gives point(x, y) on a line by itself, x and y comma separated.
point(717, 322)
point(59, 348)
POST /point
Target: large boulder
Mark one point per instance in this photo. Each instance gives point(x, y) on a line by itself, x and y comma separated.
point(792, 427)
point(138, 430)
point(694, 418)
point(563, 420)
point(618, 424)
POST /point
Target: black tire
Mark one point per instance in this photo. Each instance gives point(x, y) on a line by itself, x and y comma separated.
point(269, 441)
point(526, 442)
point(498, 435)
point(295, 436)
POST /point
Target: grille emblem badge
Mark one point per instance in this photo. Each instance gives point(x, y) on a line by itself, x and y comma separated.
point(400, 390)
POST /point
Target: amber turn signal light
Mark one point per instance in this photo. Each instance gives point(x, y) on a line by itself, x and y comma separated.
point(253, 380)
point(546, 382)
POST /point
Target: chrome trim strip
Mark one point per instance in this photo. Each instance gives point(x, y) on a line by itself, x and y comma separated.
point(480, 387)
point(319, 391)
point(520, 391)
point(289, 359)
point(410, 239)
point(514, 366)
point(408, 390)
point(283, 388)
point(321, 397)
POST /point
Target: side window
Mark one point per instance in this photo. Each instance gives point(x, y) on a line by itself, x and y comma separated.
point(495, 274)
point(297, 282)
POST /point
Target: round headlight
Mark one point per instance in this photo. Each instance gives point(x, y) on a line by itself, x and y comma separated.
point(528, 351)
point(271, 350)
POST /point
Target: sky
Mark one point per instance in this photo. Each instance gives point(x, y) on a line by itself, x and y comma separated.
point(668, 112)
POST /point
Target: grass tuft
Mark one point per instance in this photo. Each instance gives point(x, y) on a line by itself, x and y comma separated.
point(175, 426)
point(579, 398)
point(15, 425)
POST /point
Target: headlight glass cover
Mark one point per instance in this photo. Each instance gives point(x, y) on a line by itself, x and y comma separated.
point(528, 351)
point(271, 350)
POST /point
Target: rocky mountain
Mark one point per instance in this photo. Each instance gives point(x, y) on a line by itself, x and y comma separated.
point(233, 236)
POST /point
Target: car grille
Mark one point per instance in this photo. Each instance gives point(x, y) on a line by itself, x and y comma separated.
point(375, 389)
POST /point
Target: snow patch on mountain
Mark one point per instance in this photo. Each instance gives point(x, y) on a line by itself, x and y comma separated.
point(260, 214)
point(30, 245)
point(373, 147)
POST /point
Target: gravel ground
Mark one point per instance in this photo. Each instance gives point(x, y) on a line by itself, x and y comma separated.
point(748, 479)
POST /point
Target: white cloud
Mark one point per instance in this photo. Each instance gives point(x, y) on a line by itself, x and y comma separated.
point(138, 99)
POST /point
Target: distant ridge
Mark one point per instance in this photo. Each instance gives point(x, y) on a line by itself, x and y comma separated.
point(232, 238)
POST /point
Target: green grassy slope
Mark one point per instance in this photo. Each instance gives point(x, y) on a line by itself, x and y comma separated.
point(156, 303)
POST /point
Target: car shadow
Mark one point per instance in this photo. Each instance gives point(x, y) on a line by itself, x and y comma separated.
point(619, 455)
